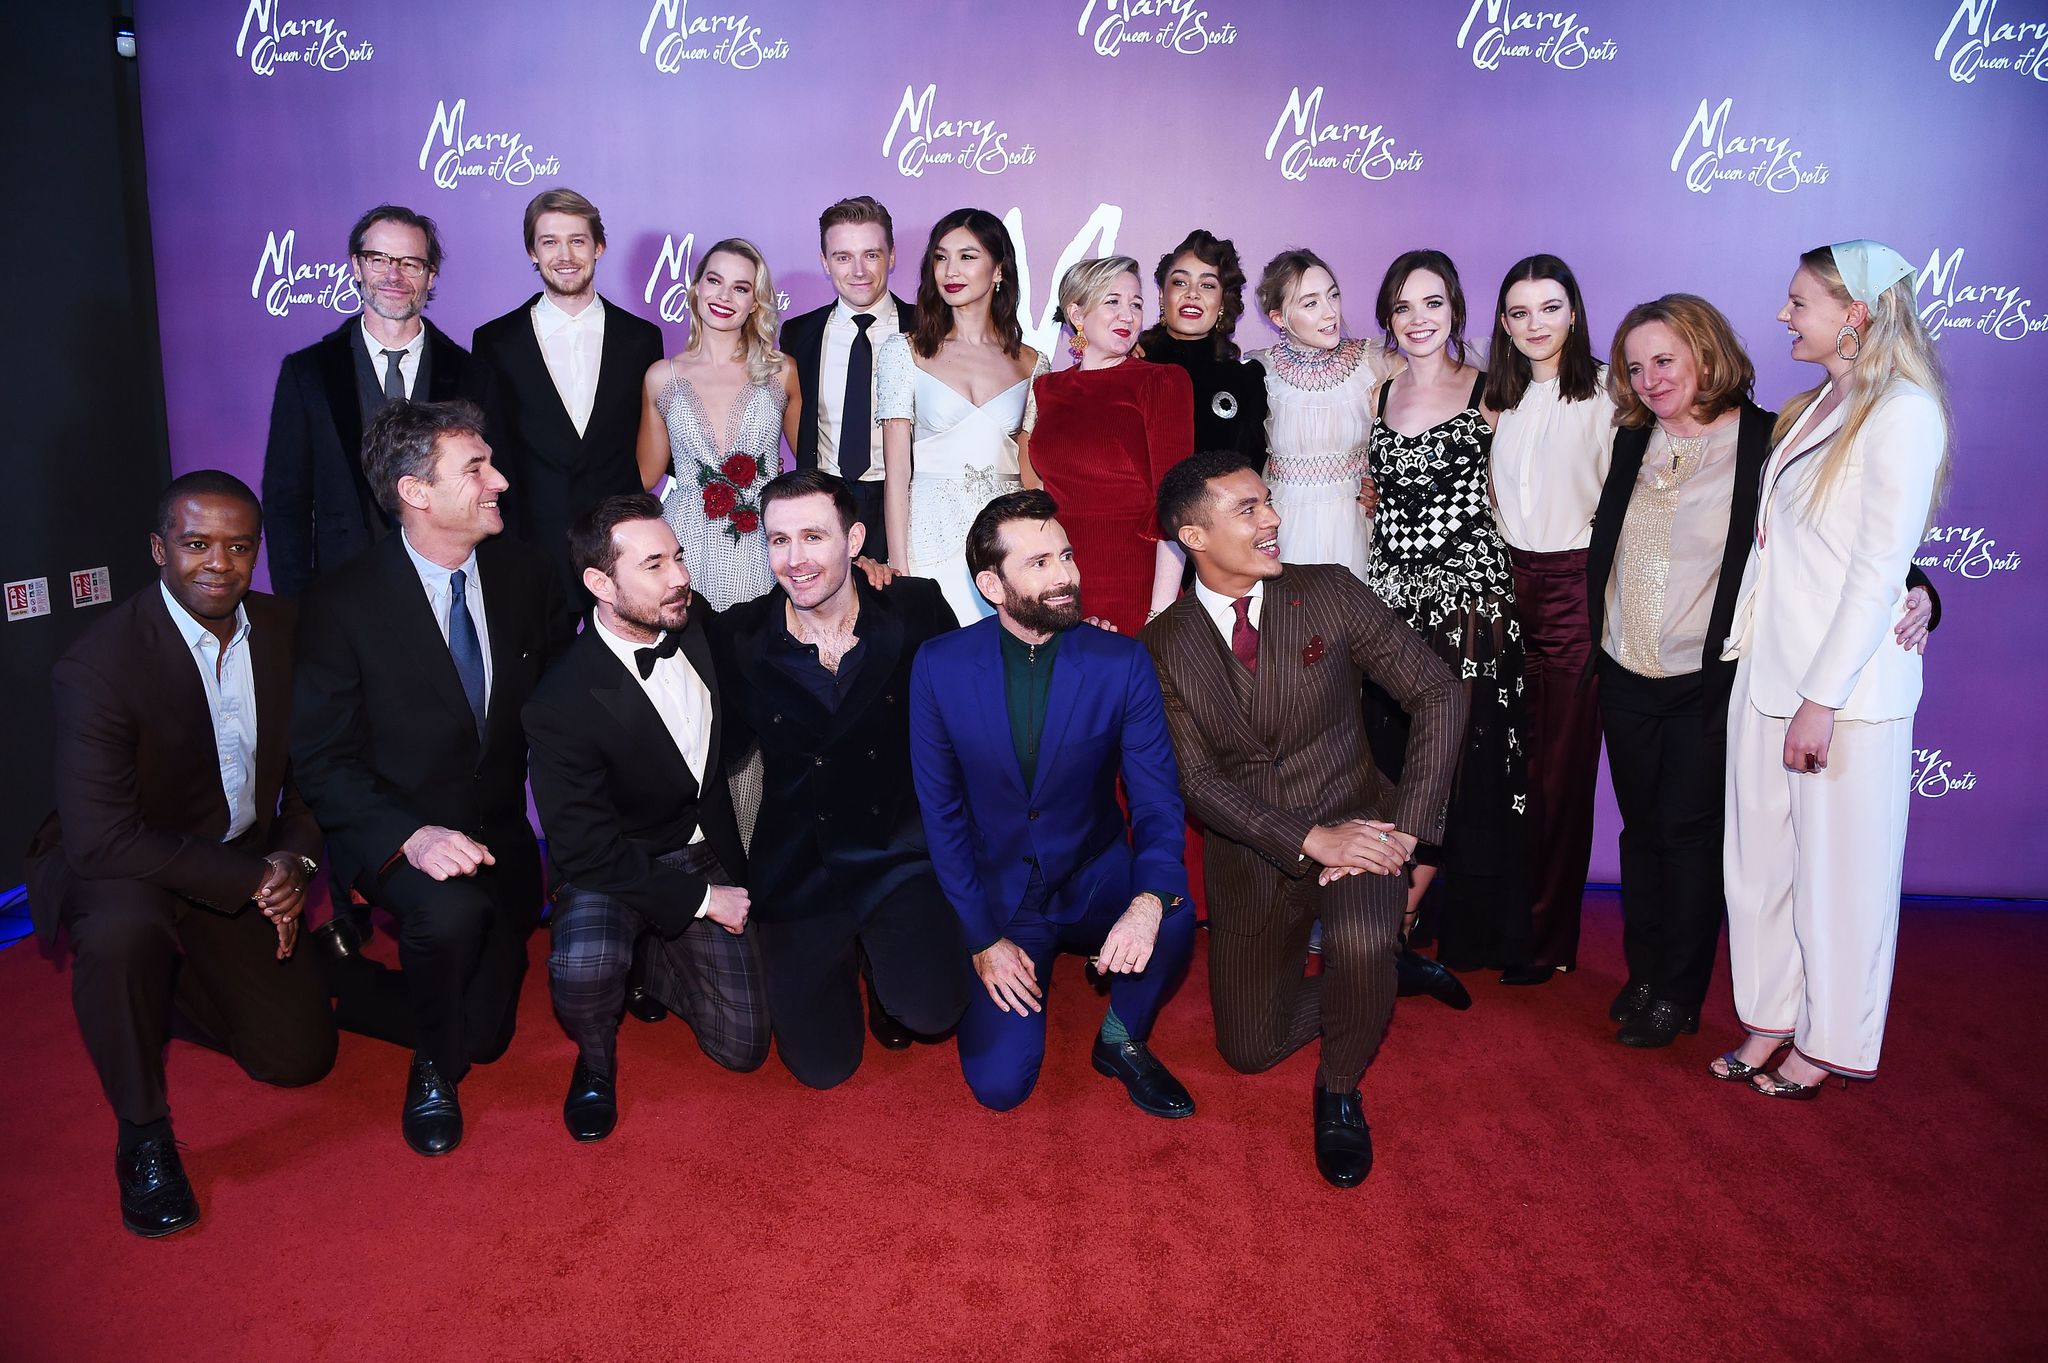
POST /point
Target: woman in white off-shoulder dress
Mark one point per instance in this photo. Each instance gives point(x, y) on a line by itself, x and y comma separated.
point(954, 397)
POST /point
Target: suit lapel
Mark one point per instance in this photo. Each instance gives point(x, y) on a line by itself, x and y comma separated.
point(765, 676)
point(270, 657)
point(619, 692)
point(1206, 670)
point(881, 634)
point(697, 649)
point(501, 614)
point(415, 633)
point(1070, 670)
point(344, 404)
point(992, 706)
point(528, 366)
point(615, 376)
point(181, 692)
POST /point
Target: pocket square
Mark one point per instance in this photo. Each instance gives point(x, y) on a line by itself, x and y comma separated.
point(1312, 653)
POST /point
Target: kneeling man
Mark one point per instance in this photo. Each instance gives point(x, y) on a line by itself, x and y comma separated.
point(1020, 726)
point(627, 747)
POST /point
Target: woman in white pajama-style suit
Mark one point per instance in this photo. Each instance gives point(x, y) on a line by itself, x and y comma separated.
point(1820, 724)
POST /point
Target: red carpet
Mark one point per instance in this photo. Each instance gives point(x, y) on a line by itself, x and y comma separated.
point(1540, 1193)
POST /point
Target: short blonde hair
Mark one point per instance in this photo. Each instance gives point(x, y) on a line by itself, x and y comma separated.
point(764, 361)
point(1087, 281)
point(1726, 377)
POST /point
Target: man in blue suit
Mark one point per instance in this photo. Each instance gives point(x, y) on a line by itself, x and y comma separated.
point(1019, 727)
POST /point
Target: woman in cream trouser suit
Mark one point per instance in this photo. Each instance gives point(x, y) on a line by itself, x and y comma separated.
point(1820, 726)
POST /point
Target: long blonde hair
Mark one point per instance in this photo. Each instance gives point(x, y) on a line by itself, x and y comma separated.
point(1894, 344)
point(764, 361)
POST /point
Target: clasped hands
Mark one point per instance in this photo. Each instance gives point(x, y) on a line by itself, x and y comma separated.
point(281, 895)
point(1357, 846)
point(1012, 980)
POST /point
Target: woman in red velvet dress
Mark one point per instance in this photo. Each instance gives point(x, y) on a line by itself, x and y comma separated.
point(1107, 430)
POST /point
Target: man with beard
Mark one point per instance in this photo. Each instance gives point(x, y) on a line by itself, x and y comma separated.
point(818, 673)
point(1020, 726)
point(627, 754)
point(565, 378)
point(318, 507)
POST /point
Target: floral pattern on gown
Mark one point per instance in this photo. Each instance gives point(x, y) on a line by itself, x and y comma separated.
point(714, 506)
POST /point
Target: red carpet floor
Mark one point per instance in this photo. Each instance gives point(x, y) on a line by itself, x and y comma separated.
point(1540, 1193)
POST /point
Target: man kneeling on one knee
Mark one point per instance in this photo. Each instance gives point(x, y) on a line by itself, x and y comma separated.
point(1020, 726)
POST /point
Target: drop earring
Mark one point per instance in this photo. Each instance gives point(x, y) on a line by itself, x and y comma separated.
point(1848, 333)
point(1076, 344)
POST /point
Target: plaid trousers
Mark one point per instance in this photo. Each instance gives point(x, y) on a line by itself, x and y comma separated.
point(709, 977)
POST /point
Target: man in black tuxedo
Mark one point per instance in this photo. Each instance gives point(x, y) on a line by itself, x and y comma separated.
point(834, 349)
point(320, 508)
point(179, 853)
point(414, 662)
point(629, 778)
point(818, 673)
point(566, 369)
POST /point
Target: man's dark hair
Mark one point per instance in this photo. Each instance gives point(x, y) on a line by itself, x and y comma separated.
point(1184, 491)
point(985, 536)
point(401, 440)
point(404, 217)
point(203, 483)
point(590, 540)
point(785, 487)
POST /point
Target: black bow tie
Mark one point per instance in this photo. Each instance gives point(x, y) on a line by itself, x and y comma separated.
point(646, 658)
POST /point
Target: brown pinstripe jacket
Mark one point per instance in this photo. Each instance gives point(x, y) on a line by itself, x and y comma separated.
point(1263, 759)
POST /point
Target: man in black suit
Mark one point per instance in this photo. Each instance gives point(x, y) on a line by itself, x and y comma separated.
point(179, 853)
point(628, 774)
point(414, 662)
point(834, 350)
point(320, 508)
point(818, 673)
point(566, 369)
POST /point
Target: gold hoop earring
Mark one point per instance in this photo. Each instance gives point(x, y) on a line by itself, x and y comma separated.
point(1847, 333)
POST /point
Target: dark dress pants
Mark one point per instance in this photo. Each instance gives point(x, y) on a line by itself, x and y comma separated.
point(1563, 739)
point(867, 501)
point(812, 967)
point(1669, 765)
point(150, 963)
point(1001, 1052)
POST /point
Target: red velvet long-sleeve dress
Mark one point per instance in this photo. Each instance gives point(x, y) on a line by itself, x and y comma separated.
point(1103, 440)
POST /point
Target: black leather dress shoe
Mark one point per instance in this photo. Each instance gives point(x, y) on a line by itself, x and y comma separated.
point(156, 1197)
point(1632, 999)
point(1415, 973)
point(432, 1120)
point(1657, 1025)
point(1151, 1087)
point(1343, 1140)
point(1527, 974)
point(339, 939)
point(644, 1005)
point(893, 1035)
point(592, 1108)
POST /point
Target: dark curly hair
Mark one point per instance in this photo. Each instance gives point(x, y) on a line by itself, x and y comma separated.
point(1220, 254)
point(934, 322)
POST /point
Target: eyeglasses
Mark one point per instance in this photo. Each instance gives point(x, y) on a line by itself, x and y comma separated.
point(376, 262)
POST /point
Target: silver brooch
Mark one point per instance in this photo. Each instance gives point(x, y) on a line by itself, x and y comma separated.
point(1224, 404)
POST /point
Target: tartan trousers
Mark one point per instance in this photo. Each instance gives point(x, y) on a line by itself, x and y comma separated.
point(709, 977)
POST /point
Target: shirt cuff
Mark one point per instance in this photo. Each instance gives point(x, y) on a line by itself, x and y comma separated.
point(704, 904)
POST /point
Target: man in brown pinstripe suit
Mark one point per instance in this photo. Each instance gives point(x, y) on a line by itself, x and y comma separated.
point(1260, 666)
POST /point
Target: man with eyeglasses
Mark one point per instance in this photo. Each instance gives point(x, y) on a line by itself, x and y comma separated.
point(317, 506)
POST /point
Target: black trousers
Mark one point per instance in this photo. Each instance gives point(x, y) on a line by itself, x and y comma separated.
point(150, 963)
point(812, 968)
point(867, 499)
point(1669, 764)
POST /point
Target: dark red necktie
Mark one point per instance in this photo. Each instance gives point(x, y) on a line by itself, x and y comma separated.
point(1244, 636)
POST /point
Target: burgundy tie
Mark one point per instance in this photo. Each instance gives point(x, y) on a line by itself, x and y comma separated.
point(1244, 636)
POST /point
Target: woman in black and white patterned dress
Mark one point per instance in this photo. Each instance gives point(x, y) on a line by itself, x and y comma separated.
point(1439, 560)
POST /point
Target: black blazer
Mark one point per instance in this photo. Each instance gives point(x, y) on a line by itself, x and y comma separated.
point(318, 510)
point(612, 789)
point(803, 340)
point(1752, 452)
point(556, 474)
point(382, 739)
point(138, 774)
point(839, 820)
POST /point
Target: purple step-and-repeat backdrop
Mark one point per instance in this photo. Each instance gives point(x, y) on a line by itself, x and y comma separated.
point(1657, 146)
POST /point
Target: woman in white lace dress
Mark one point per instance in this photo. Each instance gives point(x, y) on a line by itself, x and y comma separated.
point(1319, 415)
point(953, 395)
point(713, 422)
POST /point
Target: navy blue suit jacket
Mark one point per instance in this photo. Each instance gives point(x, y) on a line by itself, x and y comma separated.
point(988, 835)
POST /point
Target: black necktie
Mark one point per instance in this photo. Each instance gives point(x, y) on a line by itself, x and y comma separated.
point(664, 647)
point(858, 413)
point(394, 379)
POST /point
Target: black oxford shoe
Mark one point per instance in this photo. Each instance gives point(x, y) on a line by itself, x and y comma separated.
point(592, 1108)
point(893, 1035)
point(339, 939)
point(1415, 973)
point(1632, 999)
point(1151, 1087)
point(644, 1005)
point(1657, 1025)
point(432, 1120)
point(156, 1198)
point(1343, 1140)
point(1527, 974)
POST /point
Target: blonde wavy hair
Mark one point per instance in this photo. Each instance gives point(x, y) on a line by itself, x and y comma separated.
point(1894, 344)
point(764, 361)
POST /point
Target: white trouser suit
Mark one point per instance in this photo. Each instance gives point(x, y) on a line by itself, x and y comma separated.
point(1813, 861)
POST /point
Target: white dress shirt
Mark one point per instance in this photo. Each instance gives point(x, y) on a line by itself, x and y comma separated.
point(408, 359)
point(434, 578)
point(573, 346)
point(839, 333)
point(1549, 463)
point(682, 700)
point(1223, 609)
point(230, 684)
